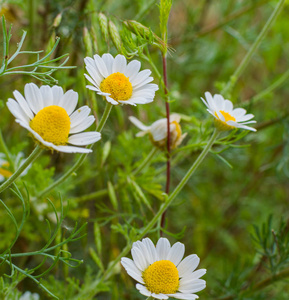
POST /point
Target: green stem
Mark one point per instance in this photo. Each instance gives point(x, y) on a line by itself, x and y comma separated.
point(166, 204)
point(145, 161)
point(82, 157)
point(5, 150)
point(104, 117)
point(254, 47)
point(36, 152)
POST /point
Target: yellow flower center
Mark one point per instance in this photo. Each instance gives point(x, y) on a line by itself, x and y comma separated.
point(222, 125)
point(118, 86)
point(162, 277)
point(52, 123)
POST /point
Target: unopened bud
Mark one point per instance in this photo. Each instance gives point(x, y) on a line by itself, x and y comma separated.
point(115, 36)
point(103, 23)
point(145, 32)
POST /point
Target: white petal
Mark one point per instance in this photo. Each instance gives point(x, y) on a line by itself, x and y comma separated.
point(144, 82)
point(192, 277)
point(148, 87)
point(101, 66)
point(132, 69)
point(176, 253)
point(138, 123)
point(151, 249)
point(160, 296)
point(95, 75)
point(110, 100)
point(163, 247)
point(228, 106)
point(33, 97)
point(139, 258)
point(23, 104)
point(79, 115)
point(71, 149)
point(141, 76)
point(83, 125)
point(127, 102)
point(91, 81)
point(17, 111)
point(193, 287)
point(93, 88)
point(69, 101)
point(219, 101)
point(244, 118)
point(57, 93)
point(184, 296)
point(239, 112)
point(143, 290)
point(142, 247)
point(84, 138)
point(108, 60)
point(131, 269)
point(119, 64)
point(47, 96)
point(188, 265)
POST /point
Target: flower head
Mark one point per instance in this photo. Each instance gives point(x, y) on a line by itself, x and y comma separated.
point(161, 271)
point(158, 131)
point(227, 118)
point(119, 82)
point(49, 115)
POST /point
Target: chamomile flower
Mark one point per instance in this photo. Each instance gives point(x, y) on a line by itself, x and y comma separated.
point(49, 115)
point(227, 118)
point(158, 131)
point(119, 82)
point(161, 272)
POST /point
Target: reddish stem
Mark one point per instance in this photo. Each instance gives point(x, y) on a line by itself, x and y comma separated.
point(168, 136)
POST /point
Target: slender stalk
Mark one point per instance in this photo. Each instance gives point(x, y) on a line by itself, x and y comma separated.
point(168, 173)
point(5, 150)
point(104, 117)
point(164, 207)
point(253, 48)
point(36, 152)
point(81, 158)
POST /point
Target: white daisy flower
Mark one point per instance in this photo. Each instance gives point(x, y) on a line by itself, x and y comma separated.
point(227, 118)
point(49, 115)
point(158, 131)
point(161, 271)
point(119, 82)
